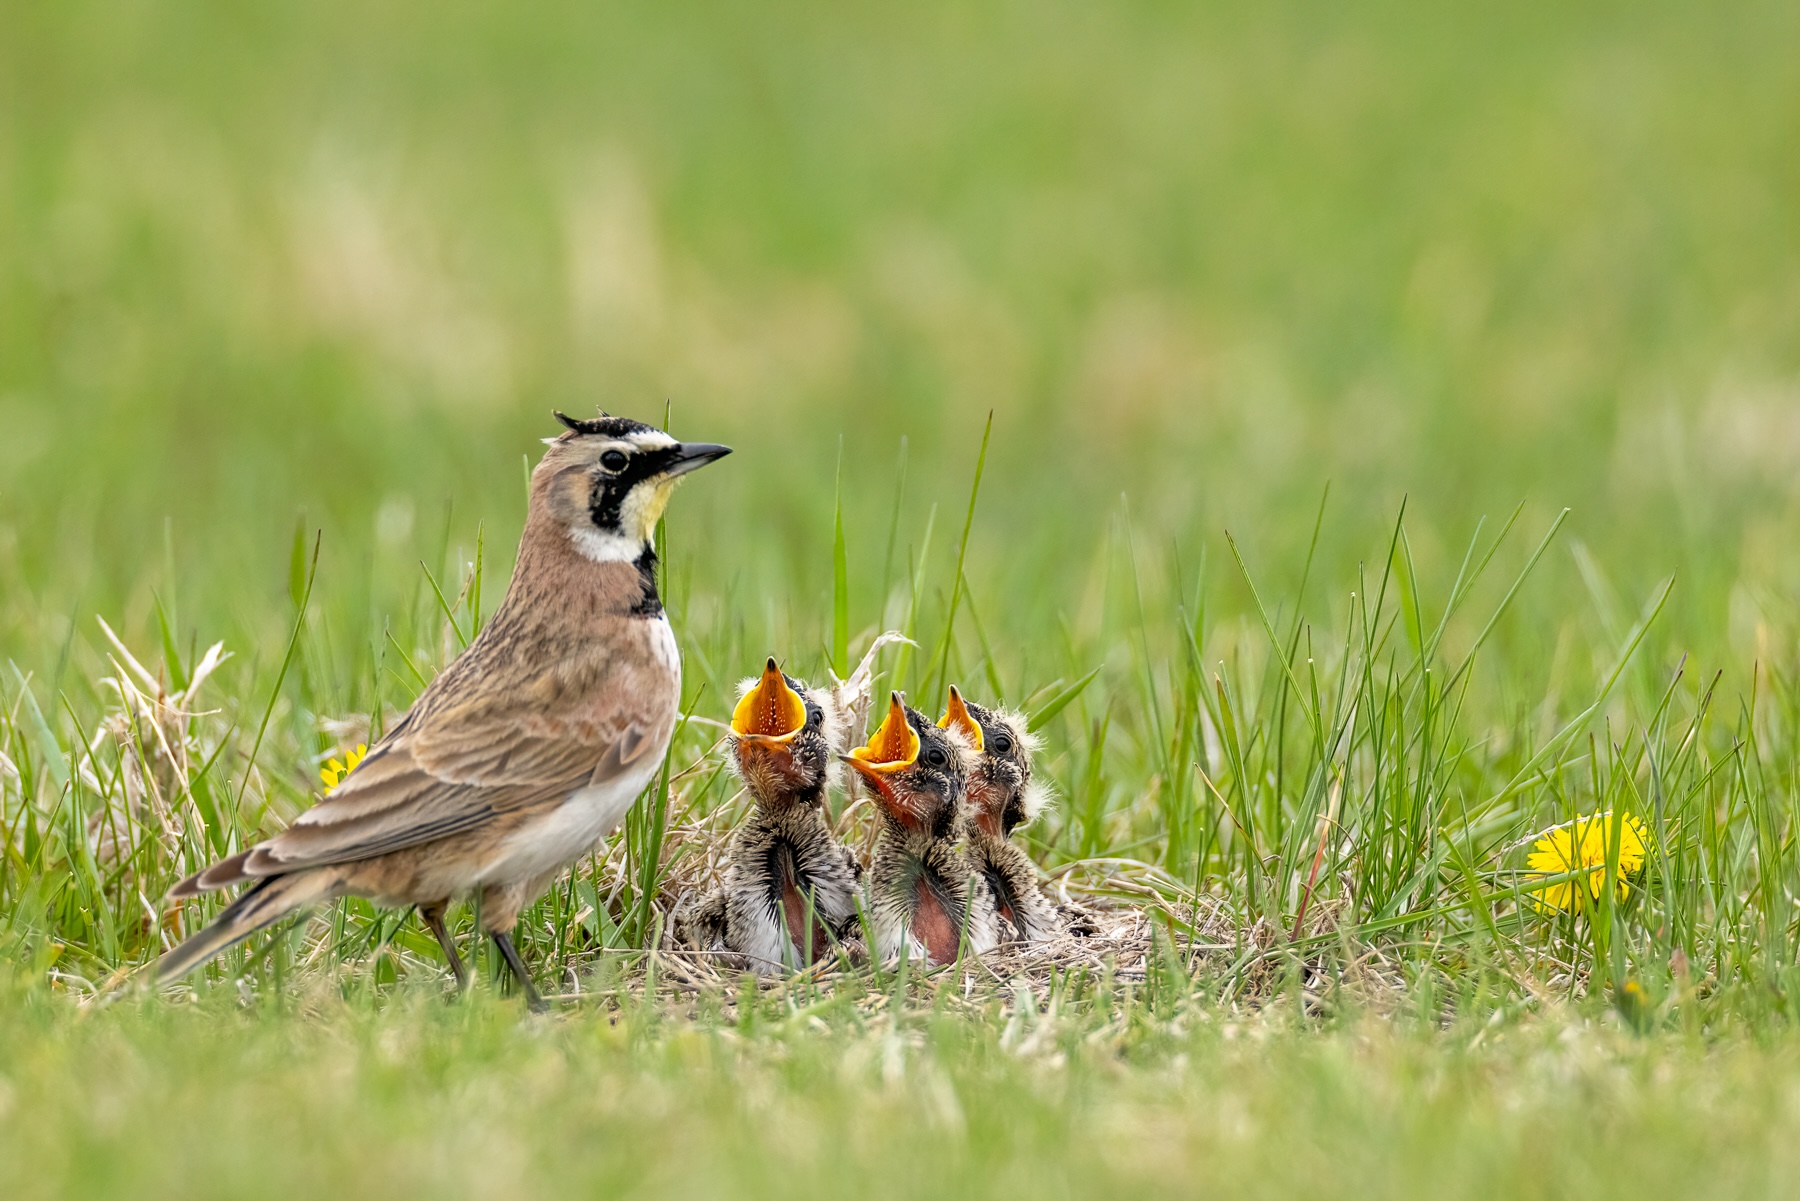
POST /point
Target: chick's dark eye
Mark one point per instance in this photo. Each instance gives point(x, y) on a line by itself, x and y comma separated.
point(614, 460)
point(814, 715)
point(935, 757)
point(1003, 744)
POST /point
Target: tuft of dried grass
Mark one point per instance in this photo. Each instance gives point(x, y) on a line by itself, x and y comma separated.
point(151, 740)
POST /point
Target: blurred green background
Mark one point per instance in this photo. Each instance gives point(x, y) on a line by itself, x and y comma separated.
point(327, 266)
point(342, 259)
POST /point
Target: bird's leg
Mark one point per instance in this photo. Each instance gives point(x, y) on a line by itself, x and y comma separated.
point(511, 954)
point(433, 916)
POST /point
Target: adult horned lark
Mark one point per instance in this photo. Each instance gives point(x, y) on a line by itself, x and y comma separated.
point(790, 887)
point(1002, 797)
point(921, 896)
point(529, 748)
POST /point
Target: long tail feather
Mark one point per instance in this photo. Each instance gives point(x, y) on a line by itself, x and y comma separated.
point(262, 906)
point(222, 874)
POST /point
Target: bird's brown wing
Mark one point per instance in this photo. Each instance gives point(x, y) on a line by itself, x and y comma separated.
point(461, 766)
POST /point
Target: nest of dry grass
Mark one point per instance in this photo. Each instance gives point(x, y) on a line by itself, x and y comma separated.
point(1132, 913)
point(1125, 911)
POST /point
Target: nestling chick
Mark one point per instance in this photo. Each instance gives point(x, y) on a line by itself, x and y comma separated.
point(790, 887)
point(1001, 798)
point(921, 894)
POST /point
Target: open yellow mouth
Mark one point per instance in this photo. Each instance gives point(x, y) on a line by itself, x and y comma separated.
point(894, 747)
point(771, 711)
point(957, 717)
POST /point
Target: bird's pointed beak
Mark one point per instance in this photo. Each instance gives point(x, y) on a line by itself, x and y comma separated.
point(892, 748)
point(957, 717)
point(691, 456)
point(771, 713)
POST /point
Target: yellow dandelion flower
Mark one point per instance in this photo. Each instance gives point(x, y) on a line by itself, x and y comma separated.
point(1583, 844)
point(335, 770)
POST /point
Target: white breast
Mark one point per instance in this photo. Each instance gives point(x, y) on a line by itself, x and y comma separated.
point(662, 645)
point(572, 829)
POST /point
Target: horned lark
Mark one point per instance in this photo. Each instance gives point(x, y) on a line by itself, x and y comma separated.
point(790, 887)
point(1002, 797)
point(529, 748)
point(921, 898)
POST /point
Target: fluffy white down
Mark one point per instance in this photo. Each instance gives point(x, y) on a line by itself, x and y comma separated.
point(764, 942)
point(1037, 798)
point(1038, 794)
point(892, 933)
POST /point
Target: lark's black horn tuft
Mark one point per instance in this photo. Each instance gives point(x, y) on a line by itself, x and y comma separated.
point(604, 426)
point(597, 426)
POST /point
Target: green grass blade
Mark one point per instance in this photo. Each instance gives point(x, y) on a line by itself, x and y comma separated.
point(444, 606)
point(840, 577)
point(1046, 713)
point(1287, 667)
point(50, 752)
point(962, 552)
point(297, 564)
point(287, 662)
point(893, 535)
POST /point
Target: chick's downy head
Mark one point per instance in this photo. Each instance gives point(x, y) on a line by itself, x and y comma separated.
point(916, 770)
point(783, 736)
point(1001, 793)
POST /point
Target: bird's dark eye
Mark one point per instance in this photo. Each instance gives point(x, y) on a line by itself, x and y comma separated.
point(935, 757)
point(1002, 744)
point(614, 461)
point(814, 715)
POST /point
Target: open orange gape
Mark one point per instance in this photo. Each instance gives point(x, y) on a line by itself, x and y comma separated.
point(771, 712)
point(957, 717)
point(893, 747)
